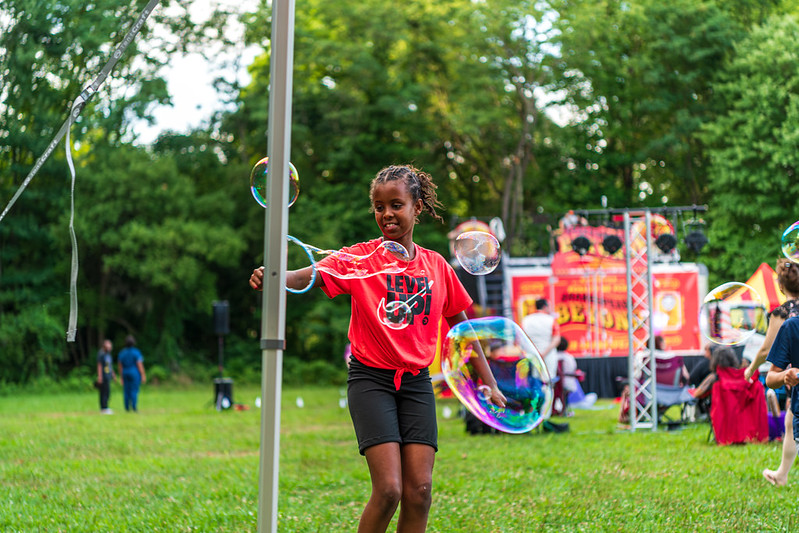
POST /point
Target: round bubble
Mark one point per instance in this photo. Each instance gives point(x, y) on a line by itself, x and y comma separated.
point(517, 366)
point(477, 252)
point(395, 314)
point(258, 182)
point(790, 242)
point(731, 313)
point(398, 314)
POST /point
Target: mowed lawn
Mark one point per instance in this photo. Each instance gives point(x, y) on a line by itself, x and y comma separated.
point(179, 465)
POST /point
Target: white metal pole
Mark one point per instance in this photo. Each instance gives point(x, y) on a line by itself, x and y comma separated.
point(273, 320)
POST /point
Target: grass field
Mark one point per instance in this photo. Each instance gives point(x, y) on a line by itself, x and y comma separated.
point(179, 465)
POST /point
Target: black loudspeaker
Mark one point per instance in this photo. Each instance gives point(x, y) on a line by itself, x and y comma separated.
point(223, 393)
point(221, 318)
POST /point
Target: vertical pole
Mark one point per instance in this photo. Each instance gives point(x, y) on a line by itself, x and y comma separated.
point(273, 321)
point(221, 345)
point(630, 321)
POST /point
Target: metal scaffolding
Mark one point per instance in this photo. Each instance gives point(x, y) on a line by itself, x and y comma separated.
point(641, 363)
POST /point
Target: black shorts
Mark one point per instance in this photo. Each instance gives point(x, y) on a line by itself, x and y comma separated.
point(380, 413)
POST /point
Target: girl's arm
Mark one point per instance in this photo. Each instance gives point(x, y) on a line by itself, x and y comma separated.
point(773, 327)
point(295, 279)
point(777, 377)
point(481, 365)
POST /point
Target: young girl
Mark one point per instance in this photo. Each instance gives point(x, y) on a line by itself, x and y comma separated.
point(390, 394)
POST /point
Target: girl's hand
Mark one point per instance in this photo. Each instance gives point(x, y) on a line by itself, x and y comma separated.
point(748, 373)
point(497, 398)
point(257, 279)
point(492, 395)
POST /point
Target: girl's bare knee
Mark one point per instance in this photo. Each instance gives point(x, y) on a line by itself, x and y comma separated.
point(419, 496)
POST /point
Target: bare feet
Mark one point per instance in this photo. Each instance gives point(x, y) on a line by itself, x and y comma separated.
point(771, 477)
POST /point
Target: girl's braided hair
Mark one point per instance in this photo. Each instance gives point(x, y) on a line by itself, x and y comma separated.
point(420, 186)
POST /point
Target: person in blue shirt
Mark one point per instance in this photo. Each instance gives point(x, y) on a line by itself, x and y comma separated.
point(131, 368)
point(784, 359)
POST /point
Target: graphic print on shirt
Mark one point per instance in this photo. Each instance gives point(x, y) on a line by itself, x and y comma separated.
point(416, 291)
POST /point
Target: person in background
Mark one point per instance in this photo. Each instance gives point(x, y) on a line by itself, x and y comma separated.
point(701, 369)
point(543, 330)
point(131, 368)
point(568, 366)
point(788, 282)
point(105, 373)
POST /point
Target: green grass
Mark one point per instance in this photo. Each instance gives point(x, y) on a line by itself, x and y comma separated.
point(179, 465)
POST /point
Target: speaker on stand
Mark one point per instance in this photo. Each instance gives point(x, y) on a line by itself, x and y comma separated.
point(223, 387)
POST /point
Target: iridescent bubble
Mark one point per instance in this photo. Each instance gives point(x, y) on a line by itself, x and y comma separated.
point(517, 366)
point(258, 182)
point(477, 252)
point(398, 314)
point(388, 258)
point(790, 242)
point(731, 313)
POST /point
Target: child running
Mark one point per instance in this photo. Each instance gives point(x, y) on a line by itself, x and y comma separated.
point(390, 393)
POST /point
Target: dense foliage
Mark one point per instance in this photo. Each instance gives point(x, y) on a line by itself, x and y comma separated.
point(519, 109)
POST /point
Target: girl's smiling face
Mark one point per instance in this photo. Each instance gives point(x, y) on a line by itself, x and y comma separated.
point(396, 211)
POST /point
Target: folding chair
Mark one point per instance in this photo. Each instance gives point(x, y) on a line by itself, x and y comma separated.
point(671, 387)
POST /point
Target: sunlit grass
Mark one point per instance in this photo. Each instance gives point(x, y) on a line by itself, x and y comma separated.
point(179, 465)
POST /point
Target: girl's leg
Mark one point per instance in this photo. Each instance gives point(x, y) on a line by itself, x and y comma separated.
point(386, 473)
point(417, 487)
point(780, 476)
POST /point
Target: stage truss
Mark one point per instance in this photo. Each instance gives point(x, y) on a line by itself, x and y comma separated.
point(641, 364)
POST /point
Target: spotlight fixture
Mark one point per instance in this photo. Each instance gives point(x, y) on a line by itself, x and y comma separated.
point(695, 241)
point(611, 244)
point(666, 242)
point(581, 245)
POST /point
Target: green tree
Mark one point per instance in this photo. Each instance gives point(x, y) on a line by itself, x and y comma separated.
point(637, 77)
point(50, 51)
point(754, 150)
point(158, 237)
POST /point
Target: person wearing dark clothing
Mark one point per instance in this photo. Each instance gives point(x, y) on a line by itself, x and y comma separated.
point(105, 373)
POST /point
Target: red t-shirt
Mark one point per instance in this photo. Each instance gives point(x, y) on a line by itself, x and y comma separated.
point(412, 348)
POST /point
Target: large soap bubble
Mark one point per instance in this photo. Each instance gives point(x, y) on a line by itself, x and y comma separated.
point(477, 252)
point(258, 182)
point(516, 364)
point(790, 242)
point(388, 258)
point(731, 313)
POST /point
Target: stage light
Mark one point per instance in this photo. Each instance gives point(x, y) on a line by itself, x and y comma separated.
point(611, 244)
point(695, 241)
point(581, 245)
point(666, 242)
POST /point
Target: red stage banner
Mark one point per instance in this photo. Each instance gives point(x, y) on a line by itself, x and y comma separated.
point(591, 305)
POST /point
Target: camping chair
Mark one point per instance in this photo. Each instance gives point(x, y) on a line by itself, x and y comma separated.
point(738, 412)
point(671, 387)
